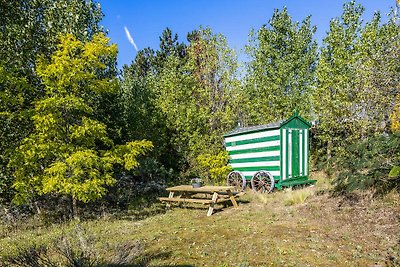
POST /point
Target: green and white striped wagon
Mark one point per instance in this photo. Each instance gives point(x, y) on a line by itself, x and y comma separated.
point(268, 156)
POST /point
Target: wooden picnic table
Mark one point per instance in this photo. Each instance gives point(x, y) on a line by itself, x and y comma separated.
point(189, 194)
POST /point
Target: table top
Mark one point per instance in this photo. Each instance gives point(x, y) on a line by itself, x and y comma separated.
point(203, 189)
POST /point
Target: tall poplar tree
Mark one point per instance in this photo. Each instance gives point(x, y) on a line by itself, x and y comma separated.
point(280, 76)
point(357, 79)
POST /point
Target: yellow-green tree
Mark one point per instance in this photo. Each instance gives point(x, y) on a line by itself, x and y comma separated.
point(70, 152)
point(29, 28)
point(395, 116)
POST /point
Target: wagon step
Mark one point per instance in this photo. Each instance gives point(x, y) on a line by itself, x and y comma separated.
point(297, 182)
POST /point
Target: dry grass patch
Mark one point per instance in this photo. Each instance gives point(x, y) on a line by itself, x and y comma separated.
point(263, 231)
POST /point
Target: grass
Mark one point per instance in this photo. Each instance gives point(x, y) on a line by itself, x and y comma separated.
point(315, 229)
point(295, 197)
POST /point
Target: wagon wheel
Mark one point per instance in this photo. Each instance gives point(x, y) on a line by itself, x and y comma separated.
point(262, 182)
point(237, 180)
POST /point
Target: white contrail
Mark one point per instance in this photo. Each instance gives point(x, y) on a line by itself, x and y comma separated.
point(130, 39)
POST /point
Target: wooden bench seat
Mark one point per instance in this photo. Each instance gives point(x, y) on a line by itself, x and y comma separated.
point(235, 194)
point(193, 200)
point(190, 200)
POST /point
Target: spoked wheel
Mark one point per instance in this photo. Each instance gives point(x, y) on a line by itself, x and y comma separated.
point(237, 180)
point(262, 182)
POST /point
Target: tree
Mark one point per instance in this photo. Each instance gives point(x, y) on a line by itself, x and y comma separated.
point(70, 153)
point(141, 113)
point(357, 77)
point(32, 27)
point(13, 87)
point(197, 97)
point(183, 98)
point(29, 28)
point(169, 46)
point(357, 84)
point(280, 76)
point(336, 75)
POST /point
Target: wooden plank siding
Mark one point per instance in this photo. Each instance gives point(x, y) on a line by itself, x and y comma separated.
point(252, 152)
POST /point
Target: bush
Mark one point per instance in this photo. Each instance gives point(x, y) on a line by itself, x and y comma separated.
point(214, 167)
point(366, 164)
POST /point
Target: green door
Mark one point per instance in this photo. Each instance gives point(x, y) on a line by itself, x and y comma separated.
point(295, 154)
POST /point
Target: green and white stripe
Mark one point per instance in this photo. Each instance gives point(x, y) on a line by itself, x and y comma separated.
point(253, 152)
point(283, 159)
point(290, 149)
point(255, 155)
point(301, 150)
point(306, 152)
point(252, 136)
point(253, 145)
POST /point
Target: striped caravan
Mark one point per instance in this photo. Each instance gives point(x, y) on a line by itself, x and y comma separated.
point(252, 152)
point(279, 150)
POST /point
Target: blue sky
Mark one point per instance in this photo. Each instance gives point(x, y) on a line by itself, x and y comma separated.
point(146, 19)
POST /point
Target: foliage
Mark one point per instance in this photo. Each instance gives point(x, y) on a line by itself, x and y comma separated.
point(357, 78)
point(68, 121)
point(143, 118)
point(214, 167)
point(182, 97)
point(12, 90)
point(368, 164)
point(33, 27)
point(29, 28)
point(395, 116)
point(70, 152)
point(197, 97)
point(395, 127)
point(280, 75)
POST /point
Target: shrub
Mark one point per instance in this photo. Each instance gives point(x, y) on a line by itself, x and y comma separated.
point(367, 164)
point(214, 167)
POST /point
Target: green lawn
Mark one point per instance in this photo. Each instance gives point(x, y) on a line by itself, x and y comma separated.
point(288, 228)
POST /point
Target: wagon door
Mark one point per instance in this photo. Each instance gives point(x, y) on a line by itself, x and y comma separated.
point(297, 153)
point(294, 158)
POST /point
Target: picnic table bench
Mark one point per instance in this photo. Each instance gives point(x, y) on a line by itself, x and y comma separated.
point(201, 195)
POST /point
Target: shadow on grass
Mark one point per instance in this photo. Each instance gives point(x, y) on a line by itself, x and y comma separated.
point(184, 265)
point(140, 213)
point(145, 260)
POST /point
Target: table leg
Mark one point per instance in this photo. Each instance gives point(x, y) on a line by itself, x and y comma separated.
point(232, 198)
point(212, 204)
point(171, 195)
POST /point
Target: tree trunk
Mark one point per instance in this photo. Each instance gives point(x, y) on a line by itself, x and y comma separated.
point(329, 156)
point(74, 208)
point(38, 210)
